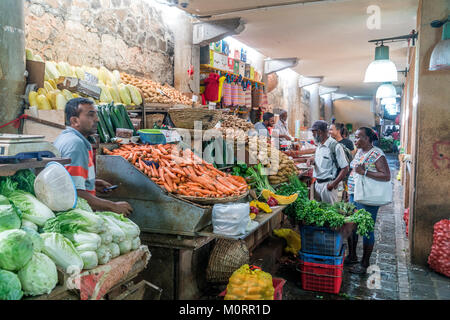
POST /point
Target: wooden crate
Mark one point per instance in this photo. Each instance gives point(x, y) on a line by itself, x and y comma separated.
point(35, 128)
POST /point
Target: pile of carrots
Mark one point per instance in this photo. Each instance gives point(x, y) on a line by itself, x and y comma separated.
point(180, 172)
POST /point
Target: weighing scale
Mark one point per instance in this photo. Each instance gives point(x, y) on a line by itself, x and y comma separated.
point(17, 147)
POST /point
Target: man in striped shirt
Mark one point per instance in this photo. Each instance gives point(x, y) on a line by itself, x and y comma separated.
point(82, 119)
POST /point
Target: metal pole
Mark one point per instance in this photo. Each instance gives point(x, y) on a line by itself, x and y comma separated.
point(12, 61)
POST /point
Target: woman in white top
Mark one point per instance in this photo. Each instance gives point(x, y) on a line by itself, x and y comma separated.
point(371, 162)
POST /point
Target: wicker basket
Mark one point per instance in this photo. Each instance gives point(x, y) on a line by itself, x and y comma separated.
point(184, 118)
point(226, 257)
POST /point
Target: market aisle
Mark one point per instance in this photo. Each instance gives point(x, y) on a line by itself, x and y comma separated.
point(398, 279)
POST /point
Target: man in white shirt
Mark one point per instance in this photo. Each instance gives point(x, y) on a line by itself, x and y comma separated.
point(281, 128)
point(330, 164)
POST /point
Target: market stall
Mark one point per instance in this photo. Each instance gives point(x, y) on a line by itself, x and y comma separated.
point(55, 247)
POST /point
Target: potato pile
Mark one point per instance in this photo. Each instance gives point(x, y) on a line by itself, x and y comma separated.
point(154, 92)
point(279, 166)
point(234, 127)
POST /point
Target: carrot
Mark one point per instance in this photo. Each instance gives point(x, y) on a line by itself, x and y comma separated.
point(161, 148)
point(155, 171)
point(233, 182)
point(167, 188)
point(161, 173)
point(171, 175)
point(225, 182)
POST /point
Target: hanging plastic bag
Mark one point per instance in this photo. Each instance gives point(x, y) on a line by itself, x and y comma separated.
point(227, 93)
point(230, 218)
point(55, 188)
point(212, 87)
point(234, 94)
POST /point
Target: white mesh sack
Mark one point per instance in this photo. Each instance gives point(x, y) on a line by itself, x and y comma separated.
point(55, 188)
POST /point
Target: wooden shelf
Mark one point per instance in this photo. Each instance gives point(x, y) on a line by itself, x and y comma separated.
point(9, 169)
point(210, 68)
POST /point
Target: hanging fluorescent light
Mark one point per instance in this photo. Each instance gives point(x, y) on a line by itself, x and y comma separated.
point(387, 101)
point(440, 58)
point(386, 90)
point(382, 69)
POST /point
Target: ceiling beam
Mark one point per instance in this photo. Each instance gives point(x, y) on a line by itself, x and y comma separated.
point(307, 81)
point(275, 65)
point(213, 31)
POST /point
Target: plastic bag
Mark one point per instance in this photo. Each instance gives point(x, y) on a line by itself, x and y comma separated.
point(439, 259)
point(231, 218)
point(53, 182)
point(292, 238)
point(250, 283)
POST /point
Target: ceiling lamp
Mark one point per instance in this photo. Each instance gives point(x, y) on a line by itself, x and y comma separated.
point(382, 69)
point(388, 101)
point(440, 58)
point(386, 90)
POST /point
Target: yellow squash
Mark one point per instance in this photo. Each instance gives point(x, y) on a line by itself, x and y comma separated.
point(282, 200)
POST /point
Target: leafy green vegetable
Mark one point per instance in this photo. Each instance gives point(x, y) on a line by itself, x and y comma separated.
point(62, 252)
point(10, 286)
point(31, 208)
point(9, 217)
point(114, 248)
point(90, 259)
point(135, 243)
point(30, 225)
point(106, 237)
point(23, 180)
point(258, 179)
point(84, 241)
point(73, 221)
point(125, 246)
point(83, 205)
point(111, 227)
point(104, 254)
point(130, 229)
point(38, 243)
point(16, 249)
point(39, 276)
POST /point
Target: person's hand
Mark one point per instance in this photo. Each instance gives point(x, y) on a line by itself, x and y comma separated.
point(310, 162)
point(331, 186)
point(122, 207)
point(100, 185)
point(360, 169)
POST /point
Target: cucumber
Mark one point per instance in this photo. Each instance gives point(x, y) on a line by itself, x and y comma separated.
point(108, 122)
point(104, 127)
point(100, 133)
point(119, 116)
point(127, 118)
point(113, 117)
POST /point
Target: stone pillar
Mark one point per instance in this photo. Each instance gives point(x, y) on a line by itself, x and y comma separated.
point(430, 183)
point(12, 61)
point(314, 102)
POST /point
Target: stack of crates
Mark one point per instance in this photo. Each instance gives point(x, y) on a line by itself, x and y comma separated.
point(321, 259)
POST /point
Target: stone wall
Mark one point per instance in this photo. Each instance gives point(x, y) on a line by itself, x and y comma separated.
point(127, 35)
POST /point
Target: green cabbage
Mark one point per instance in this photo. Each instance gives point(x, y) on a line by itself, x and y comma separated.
point(114, 248)
point(75, 220)
point(125, 246)
point(103, 254)
point(62, 252)
point(9, 219)
point(90, 259)
point(130, 229)
point(30, 225)
point(117, 234)
point(10, 286)
point(83, 205)
point(84, 241)
point(16, 249)
point(39, 276)
point(135, 243)
point(38, 243)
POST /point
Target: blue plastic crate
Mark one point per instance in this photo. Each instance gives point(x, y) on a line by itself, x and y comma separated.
point(320, 240)
point(321, 259)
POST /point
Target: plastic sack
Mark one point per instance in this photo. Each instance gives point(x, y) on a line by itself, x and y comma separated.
point(53, 182)
point(292, 238)
point(230, 219)
point(250, 283)
point(439, 258)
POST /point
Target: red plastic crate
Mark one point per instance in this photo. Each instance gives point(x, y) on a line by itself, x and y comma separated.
point(278, 284)
point(321, 277)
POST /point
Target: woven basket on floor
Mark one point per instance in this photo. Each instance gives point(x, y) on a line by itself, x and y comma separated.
point(184, 118)
point(226, 257)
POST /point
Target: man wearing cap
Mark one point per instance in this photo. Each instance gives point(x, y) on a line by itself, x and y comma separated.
point(330, 164)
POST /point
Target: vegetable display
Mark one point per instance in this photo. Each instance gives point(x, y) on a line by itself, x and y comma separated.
point(180, 172)
point(62, 252)
point(112, 117)
point(9, 215)
point(311, 212)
